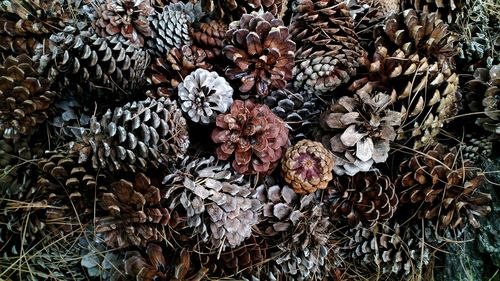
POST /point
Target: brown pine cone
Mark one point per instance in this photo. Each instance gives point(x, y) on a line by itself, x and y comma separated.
point(261, 54)
point(448, 11)
point(210, 36)
point(230, 10)
point(307, 166)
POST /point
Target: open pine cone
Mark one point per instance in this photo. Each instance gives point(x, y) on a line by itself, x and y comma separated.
point(359, 131)
point(255, 136)
point(261, 54)
point(307, 166)
point(440, 187)
point(235, 9)
point(448, 11)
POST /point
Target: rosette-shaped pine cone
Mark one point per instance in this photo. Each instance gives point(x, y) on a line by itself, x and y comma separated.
point(304, 255)
point(203, 95)
point(392, 248)
point(307, 166)
point(359, 131)
point(165, 74)
point(210, 36)
point(134, 215)
point(128, 18)
point(413, 59)
point(217, 204)
point(170, 28)
point(365, 198)
point(261, 54)
point(234, 9)
point(440, 187)
point(328, 49)
point(25, 97)
point(448, 11)
point(300, 111)
point(134, 136)
point(255, 136)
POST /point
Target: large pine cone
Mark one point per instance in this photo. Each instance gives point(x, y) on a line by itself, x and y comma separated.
point(261, 54)
point(127, 18)
point(448, 11)
point(359, 131)
point(25, 97)
point(135, 136)
point(255, 136)
point(365, 198)
point(439, 186)
point(329, 52)
point(413, 58)
point(217, 203)
point(307, 166)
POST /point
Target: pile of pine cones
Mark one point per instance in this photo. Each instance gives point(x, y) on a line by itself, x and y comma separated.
point(245, 139)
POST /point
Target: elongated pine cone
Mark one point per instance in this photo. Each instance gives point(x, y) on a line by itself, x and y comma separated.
point(255, 136)
point(261, 54)
point(359, 131)
point(210, 36)
point(365, 198)
point(128, 18)
point(134, 136)
point(25, 97)
point(133, 213)
point(203, 95)
point(440, 187)
point(328, 49)
point(307, 166)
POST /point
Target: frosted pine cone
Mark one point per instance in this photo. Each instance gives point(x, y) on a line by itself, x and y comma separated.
point(203, 95)
point(255, 136)
point(261, 53)
point(359, 131)
point(307, 166)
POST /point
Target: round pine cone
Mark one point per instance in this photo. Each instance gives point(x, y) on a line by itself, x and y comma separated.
point(365, 198)
point(307, 166)
point(439, 186)
point(255, 136)
point(359, 131)
point(203, 95)
point(261, 54)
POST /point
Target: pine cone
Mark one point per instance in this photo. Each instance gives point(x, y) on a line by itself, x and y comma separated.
point(413, 59)
point(448, 11)
point(217, 203)
point(359, 131)
point(231, 10)
point(167, 73)
point(128, 18)
point(210, 36)
point(300, 111)
point(203, 95)
point(307, 166)
point(134, 136)
point(255, 136)
point(439, 186)
point(477, 149)
point(134, 213)
point(261, 53)
point(329, 52)
point(365, 197)
point(366, 15)
point(25, 96)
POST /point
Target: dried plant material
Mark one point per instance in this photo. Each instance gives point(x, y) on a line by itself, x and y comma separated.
point(234, 9)
point(448, 11)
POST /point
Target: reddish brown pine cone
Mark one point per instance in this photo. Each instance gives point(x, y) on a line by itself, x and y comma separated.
point(255, 136)
point(307, 166)
point(261, 52)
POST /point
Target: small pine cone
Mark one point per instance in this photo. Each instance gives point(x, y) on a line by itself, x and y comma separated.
point(134, 215)
point(244, 259)
point(134, 136)
point(218, 204)
point(365, 198)
point(255, 136)
point(392, 248)
point(328, 49)
point(300, 111)
point(359, 131)
point(203, 95)
point(210, 36)
point(307, 166)
point(171, 30)
point(261, 54)
point(25, 96)
point(440, 187)
point(167, 73)
point(477, 149)
point(70, 114)
point(418, 68)
point(447, 11)
point(127, 18)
